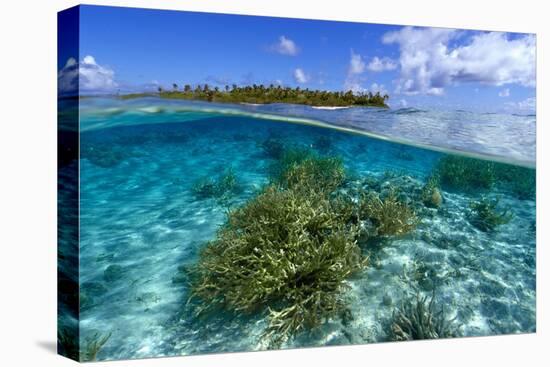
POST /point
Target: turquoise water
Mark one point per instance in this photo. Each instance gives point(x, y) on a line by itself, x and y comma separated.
point(141, 219)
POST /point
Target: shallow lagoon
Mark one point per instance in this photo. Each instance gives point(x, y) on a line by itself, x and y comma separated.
point(142, 219)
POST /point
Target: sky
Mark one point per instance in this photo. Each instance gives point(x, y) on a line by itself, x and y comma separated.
point(128, 49)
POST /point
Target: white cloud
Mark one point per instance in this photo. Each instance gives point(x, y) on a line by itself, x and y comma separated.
point(381, 64)
point(355, 69)
point(378, 88)
point(504, 93)
point(90, 60)
point(527, 105)
point(403, 103)
point(94, 77)
point(356, 64)
point(429, 61)
point(86, 76)
point(286, 46)
point(300, 76)
point(354, 85)
point(67, 78)
point(70, 62)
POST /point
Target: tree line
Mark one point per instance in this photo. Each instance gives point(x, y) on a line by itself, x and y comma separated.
point(258, 93)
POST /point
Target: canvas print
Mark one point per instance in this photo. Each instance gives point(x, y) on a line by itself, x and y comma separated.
point(242, 183)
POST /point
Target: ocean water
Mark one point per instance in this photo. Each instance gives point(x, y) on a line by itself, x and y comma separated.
point(142, 218)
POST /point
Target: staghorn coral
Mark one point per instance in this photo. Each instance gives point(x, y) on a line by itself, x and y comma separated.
point(92, 347)
point(288, 158)
point(462, 173)
point(390, 216)
point(286, 253)
point(520, 181)
point(67, 342)
point(417, 319)
point(485, 215)
point(217, 188)
point(316, 174)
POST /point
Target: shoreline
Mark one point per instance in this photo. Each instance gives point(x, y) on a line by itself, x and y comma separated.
point(330, 108)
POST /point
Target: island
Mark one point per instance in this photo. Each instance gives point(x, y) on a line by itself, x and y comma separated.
point(261, 94)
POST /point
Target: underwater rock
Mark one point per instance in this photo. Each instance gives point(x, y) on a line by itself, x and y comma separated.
point(350, 336)
point(113, 273)
point(347, 317)
point(94, 289)
point(446, 242)
point(494, 309)
point(456, 259)
point(525, 317)
point(465, 314)
point(89, 292)
point(371, 183)
point(148, 298)
point(104, 257)
point(86, 302)
point(492, 288)
point(427, 237)
point(426, 284)
point(387, 300)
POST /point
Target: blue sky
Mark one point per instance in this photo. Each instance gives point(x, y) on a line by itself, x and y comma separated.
point(135, 49)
